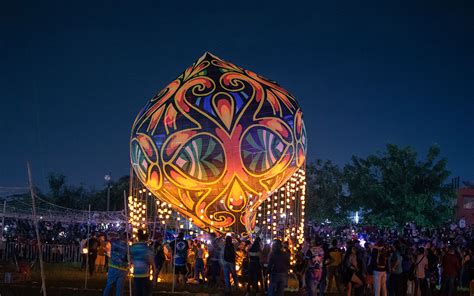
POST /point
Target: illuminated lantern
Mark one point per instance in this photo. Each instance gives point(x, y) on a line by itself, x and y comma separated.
point(216, 141)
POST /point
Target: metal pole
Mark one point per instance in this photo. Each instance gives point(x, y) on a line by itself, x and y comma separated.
point(3, 226)
point(3, 220)
point(174, 255)
point(30, 181)
point(108, 197)
point(154, 221)
point(87, 246)
point(126, 232)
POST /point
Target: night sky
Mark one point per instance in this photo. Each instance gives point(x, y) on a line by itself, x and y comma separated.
point(73, 77)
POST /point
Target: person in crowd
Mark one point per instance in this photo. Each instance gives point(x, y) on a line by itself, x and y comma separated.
point(333, 266)
point(190, 259)
point(278, 266)
point(379, 264)
point(352, 270)
point(142, 258)
point(264, 256)
point(228, 264)
point(430, 276)
point(108, 250)
point(451, 267)
point(118, 265)
point(179, 248)
point(242, 259)
point(199, 263)
point(84, 251)
point(101, 252)
point(254, 269)
point(396, 270)
point(314, 264)
point(24, 269)
point(324, 273)
point(470, 268)
point(213, 260)
point(465, 267)
point(92, 247)
point(421, 265)
point(408, 270)
point(159, 259)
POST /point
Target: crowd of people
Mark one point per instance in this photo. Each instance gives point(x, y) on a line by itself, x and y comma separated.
point(53, 232)
point(345, 260)
point(359, 260)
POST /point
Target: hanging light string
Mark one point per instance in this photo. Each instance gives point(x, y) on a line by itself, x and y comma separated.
point(281, 215)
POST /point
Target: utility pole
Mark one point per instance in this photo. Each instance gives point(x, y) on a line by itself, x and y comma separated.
point(38, 239)
point(3, 220)
point(107, 179)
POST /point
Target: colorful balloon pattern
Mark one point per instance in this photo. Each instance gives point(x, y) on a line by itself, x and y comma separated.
point(216, 141)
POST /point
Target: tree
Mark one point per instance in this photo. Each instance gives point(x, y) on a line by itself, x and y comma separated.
point(394, 187)
point(98, 199)
point(78, 197)
point(56, 184)
point(325, 199)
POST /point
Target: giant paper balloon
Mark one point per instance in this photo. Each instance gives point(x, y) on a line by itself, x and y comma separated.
point(216, 141)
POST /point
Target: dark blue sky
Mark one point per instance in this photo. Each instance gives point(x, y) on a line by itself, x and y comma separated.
point(72, 78)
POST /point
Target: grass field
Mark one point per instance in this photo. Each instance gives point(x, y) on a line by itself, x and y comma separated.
point(69, 280)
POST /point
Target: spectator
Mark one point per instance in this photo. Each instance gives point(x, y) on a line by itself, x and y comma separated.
point(352, 271)
point(278, 265)
point(421, 265)
point(396, 270)
point(229, 264)
point(379, 263)
point(92, 247)
point(108, 249)
point(180, 248)
point(314, 263)
point(159, 258)
point(451, 267)
point(142, 258)
point(199, 263)
point(335, 260)
point(84, 251)
point(213, 260)
point(118, 265)
point(101, 252)
point(254, 266)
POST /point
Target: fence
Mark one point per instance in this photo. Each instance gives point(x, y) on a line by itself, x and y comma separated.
point(52, 253)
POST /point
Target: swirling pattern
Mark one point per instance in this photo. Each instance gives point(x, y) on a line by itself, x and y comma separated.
point(215, 141)
point(261, 149)
point(202, 158)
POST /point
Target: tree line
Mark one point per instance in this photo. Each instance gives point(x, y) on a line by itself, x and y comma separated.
point(79, 197)
point(388, 188)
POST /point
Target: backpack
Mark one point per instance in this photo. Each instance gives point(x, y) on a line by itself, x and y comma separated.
point(378, 260)
point(381, 259)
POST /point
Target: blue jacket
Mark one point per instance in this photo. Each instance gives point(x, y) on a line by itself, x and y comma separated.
point(142, 257)
point(118, 254)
